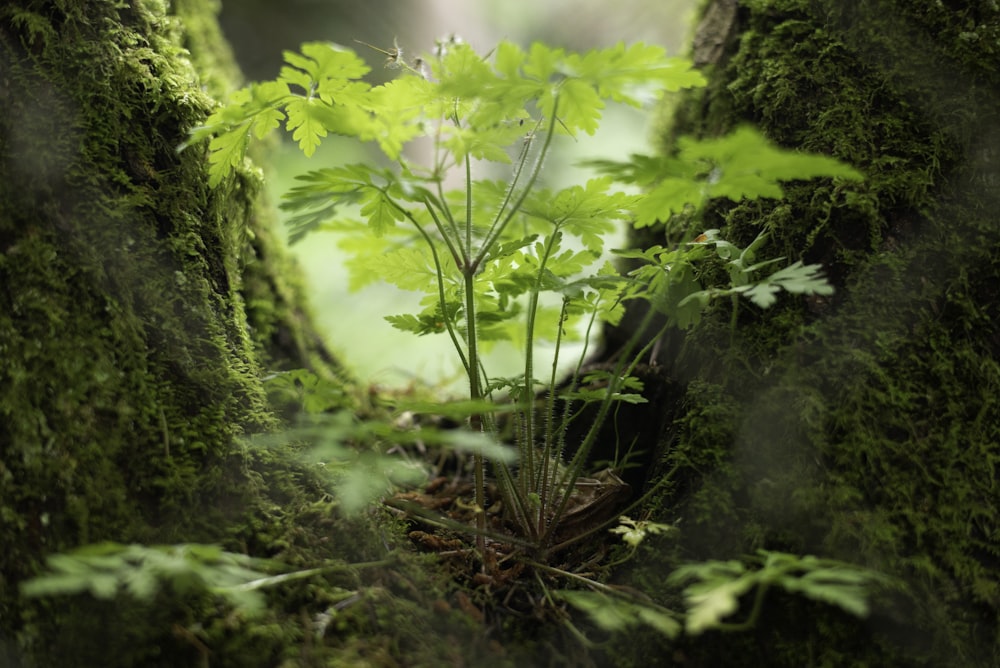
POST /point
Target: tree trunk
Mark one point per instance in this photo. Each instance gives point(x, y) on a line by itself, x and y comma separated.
point(138, 312)
point(864, 427)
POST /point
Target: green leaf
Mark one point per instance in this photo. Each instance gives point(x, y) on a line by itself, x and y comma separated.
point(308, 119)
point(226, 152)
point(708, 607)
point(381, 212)
point(107, 569)
point(634, 532)
point(509, 59)
point(588, 212)
point(634, 74)
point(408, 268)
point(796, 278)
point(462, 440)
point(429, 321)
point(543, 62)
point(320, 195)
point(396, 111)
point(670, 196)
point(579, 106)
point(322, 60)
point(742, 164)
point(616, 614)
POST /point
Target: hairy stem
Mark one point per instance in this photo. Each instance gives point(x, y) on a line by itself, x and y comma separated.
point(497, 229)
point(475, 393)
point(626, 362)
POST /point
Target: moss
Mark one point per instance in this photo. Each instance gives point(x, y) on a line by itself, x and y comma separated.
point(862, 427)
point(139, 312)
point(130, 369)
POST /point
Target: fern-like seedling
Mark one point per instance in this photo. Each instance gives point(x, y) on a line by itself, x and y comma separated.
point(509, 259)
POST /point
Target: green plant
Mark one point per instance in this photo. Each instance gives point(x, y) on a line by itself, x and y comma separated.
point(498, 260)
point(509, 259)
point(105, 570)
point(504, 258)
point(718, 586)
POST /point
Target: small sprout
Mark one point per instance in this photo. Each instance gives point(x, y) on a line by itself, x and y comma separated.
point(633, 532)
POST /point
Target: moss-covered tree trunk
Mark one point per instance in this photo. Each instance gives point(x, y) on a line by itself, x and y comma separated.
point(138, 308)
point(865, 426)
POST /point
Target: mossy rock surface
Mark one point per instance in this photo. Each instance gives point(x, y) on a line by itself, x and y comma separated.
point(866, 426)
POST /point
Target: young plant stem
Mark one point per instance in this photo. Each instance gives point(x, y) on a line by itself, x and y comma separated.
point(504, 219)
point(625, 359)
point(549, 451)
point(468, 208)
point(476, 394)
point(459, 255)
point(522, 160)
point(440, 284)
point(527, 445)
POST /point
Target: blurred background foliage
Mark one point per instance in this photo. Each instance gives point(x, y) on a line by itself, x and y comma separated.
point(352, 322)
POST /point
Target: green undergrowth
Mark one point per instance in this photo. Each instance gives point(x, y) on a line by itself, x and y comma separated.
point(354, 597)
point(865, 425)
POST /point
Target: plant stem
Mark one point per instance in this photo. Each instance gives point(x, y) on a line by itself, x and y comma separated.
point(440, 282)
point(468, 207)
point(475, 393)
point(522, 159)
point(626, 359)
point(538, 484)
point(497, 229)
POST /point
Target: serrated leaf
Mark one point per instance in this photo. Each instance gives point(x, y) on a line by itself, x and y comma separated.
point(489, 144)
point(320, 63)
point(635, 73)
point(796, 278)
point(396, 109)
point(745, 164)
point(266, 121)
point(226, 152)
point(543, 61)
point(308, 119)
point(670, 196)
point(407, 268)
point(421, 326)
point(381, 212)
point(707, 608)
point(579, 106)
point(588, 212)
point(509, 59)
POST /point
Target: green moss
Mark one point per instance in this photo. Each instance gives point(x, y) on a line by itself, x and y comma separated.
point(129, 366)
point(126, 367)
point(862, 427)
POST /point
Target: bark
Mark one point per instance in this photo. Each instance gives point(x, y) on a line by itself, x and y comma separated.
point(864, 427)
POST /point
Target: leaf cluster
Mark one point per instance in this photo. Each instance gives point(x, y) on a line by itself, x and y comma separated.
point(105, 570)
point(718, 586)
point(740, 165)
